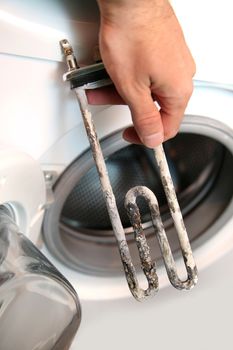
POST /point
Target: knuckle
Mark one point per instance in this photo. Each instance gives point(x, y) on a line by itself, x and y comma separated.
point(182, 93)
point(189, 90)
point(194, 68)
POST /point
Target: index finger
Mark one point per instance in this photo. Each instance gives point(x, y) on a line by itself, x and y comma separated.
point(103, 96)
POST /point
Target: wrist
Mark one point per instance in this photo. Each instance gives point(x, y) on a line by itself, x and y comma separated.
point(111, 9)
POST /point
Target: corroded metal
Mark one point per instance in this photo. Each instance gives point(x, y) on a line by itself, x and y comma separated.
point(179, 225)
point(134, 215)
point(147, 264)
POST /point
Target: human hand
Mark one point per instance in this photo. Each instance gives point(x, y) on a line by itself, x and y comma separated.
point(145, 54)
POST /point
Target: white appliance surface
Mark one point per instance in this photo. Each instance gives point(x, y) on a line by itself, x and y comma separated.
point(39, 116)
point(35, 58)
point(196, 320)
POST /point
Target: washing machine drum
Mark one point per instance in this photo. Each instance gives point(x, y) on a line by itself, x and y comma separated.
point(201, 169)
point(194, 162)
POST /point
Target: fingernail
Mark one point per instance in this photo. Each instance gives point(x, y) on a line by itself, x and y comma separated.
point(153, 140)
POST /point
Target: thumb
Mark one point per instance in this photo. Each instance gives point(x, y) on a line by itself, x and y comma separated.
point(147, 120)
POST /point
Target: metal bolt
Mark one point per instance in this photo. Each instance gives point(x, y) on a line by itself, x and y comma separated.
point(48, 176)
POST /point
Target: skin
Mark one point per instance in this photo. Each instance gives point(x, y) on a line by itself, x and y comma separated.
point(146, 56)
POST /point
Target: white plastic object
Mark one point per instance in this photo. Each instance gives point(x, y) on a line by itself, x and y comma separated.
point(22, 187)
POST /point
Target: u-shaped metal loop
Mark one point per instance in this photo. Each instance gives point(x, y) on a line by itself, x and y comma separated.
point(148, 267)
point(134, 216)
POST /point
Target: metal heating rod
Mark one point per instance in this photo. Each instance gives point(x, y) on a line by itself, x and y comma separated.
point(80, 85)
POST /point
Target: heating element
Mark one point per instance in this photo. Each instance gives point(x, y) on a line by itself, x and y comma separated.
point(92, 77)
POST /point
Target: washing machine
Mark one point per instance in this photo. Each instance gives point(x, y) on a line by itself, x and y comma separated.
point(65, 216)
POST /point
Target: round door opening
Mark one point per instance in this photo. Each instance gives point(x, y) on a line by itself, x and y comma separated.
point(77, 229)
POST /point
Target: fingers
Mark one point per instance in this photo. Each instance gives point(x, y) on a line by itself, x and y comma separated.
point(171, 122)
point(173, 109)
point(104, 96)
point(131, 135)
point(152, 127)
point(147, 119)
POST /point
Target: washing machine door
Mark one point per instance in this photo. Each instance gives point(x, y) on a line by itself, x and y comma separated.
point(39, 309)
